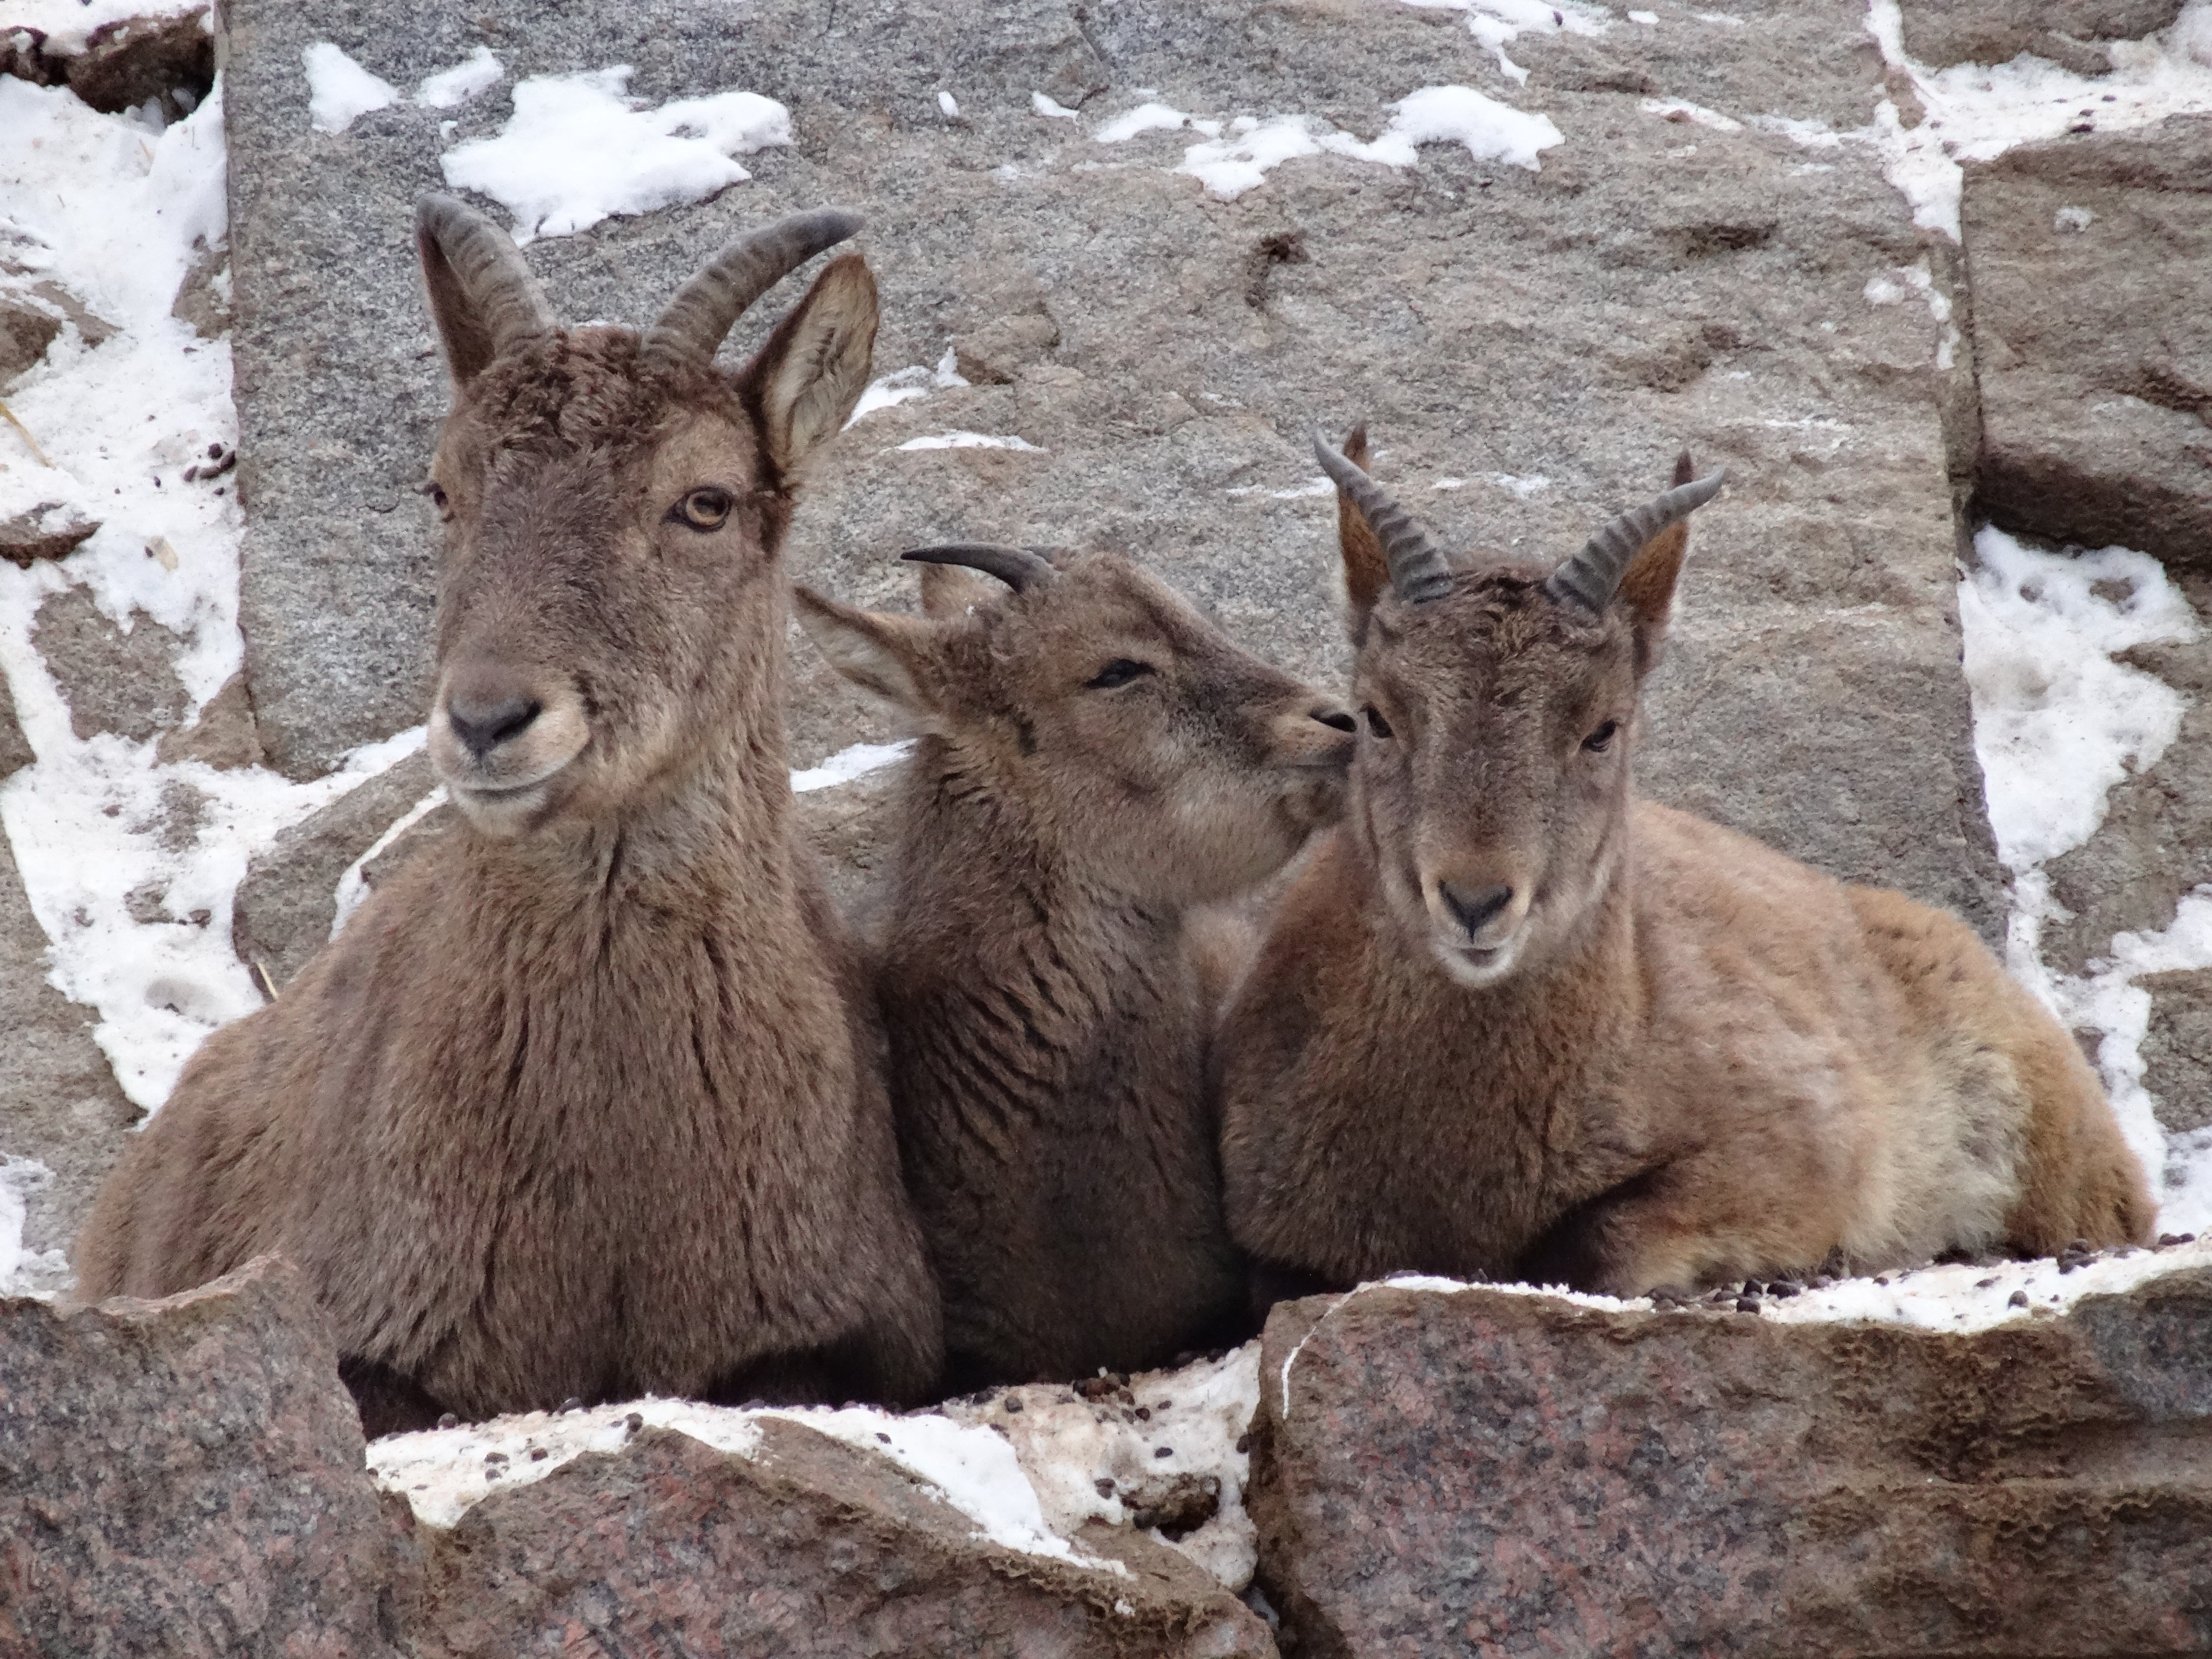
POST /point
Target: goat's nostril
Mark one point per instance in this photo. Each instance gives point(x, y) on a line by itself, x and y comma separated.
point(483, 726)
point(1336, 719)
point(1473, 909)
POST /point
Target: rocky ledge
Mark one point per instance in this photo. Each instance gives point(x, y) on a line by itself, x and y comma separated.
point(1434, 1469)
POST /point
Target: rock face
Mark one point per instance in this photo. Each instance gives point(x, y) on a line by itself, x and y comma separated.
point(1484, 1472)
point(1941, 33)
point(114, 681)
point(185, 1478)
point(807, 1547)
point(1531, 346)
point(2097, 410)
point(59, 1103)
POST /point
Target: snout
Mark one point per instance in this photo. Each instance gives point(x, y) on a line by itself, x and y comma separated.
point(1477, 915)
point(1313, 740)
point(499, 734)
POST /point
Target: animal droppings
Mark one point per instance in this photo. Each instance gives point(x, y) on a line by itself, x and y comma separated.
point(2017, 1299)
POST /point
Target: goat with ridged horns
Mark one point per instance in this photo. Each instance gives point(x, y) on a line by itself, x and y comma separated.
point(588, 1099)
point(1096, 762)
point(1512, 1021)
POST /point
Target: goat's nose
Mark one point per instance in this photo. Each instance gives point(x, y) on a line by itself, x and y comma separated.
point(1336, 719)
point(484, 724)
point(1473, 909)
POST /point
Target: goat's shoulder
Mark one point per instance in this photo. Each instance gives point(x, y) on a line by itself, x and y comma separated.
point(1317, 940)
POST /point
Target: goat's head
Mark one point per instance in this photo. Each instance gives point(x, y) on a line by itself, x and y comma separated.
point(612, 605)
point(1497, 708)
point(1135, 734)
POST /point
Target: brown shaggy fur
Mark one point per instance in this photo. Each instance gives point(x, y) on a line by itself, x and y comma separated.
point(1674, 1057)
point(588, 1100)
point(1049, 996)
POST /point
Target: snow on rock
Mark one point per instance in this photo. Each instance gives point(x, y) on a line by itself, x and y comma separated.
point(1495, 23)
point(1152, 117)
point(1093, 1453)
point(904, 385)
point(1491, 131)
point(67, 24)
point(847, 764)
point(441, 1472)
point(1231, 166)
point(2058, 721)
point(22, 1271)
point(577, 150)
point(971, 441)
point(1051, 108)
point(340, 91)
point(479, 72)
point(1975, 112)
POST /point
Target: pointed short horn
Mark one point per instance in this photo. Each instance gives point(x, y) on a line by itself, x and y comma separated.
point(1418, 571)
point(1590, 577)
point(692, 329)
point(488, 267)
point(1020, 567)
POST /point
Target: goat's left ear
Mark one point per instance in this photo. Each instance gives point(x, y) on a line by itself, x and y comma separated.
point(1647, 588)
point(804, 383)
point(893, 656)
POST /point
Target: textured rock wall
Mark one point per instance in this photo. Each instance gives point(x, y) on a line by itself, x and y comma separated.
point(1657, 283)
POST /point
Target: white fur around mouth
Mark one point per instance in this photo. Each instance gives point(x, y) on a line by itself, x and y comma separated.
point(1478, 965)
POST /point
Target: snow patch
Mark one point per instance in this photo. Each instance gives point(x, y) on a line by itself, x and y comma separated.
point(1152, 117)
point(1496, 22)
point(479, 72)
point(578, 149)
point(340, 91)
point(948, 105)
point(847, 764)
point(23, 1271)
point(1046, 106)
point(971, 441)
point(1491, 131)
point(1229, 167)
point(904, 385)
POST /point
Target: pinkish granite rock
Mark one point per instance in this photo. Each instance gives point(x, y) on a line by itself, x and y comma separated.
point(185, 1478)
point(1509, 1474)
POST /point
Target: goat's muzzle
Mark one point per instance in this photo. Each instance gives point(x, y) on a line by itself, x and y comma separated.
point(1477, 923)
point(500, 736)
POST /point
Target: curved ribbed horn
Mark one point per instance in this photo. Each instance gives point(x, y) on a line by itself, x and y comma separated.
point(690, 330)
point(488, 267)
point(1590, 577)
point(1020, 567)
point(1418, 571)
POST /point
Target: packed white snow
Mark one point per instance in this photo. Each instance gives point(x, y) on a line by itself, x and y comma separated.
point(577, 148)
point(904, 385)
point(340, 91)
point(1051, 109)
point(441, 1472)
point(1230, 166)
point(479, 72)
point(948, 105)
point(848, 763)
point(1495, 23)
point(1152, 117)
point(1491, 131)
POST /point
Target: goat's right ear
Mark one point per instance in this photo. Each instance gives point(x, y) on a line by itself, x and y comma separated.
point(806, 381)
point(1366, 567)
point(893, 656)
point(950, 593)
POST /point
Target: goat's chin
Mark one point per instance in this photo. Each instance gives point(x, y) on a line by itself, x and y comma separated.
point(1474, 967)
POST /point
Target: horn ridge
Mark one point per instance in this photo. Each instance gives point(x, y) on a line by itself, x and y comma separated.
point(1020, 567)
point(691, 328)
point(1591, 577)
point(489, 268)
point(1418, 571)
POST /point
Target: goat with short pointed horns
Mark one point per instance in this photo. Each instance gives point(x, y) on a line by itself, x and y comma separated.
point(587, 1100)
point(1096, 759)
point(1512, 1021)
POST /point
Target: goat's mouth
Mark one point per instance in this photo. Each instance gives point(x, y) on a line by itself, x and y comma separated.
point(1478, 965)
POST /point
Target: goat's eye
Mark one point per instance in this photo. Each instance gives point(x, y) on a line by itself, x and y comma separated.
point(703, 509)
point(1376, 726)
point(1601, 740)
point(1119, 671)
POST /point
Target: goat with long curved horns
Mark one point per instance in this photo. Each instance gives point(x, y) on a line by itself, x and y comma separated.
point(1512, 1021)
point(588, 1100)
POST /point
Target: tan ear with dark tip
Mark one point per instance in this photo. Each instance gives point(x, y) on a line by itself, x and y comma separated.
point(1366, 567)
point(950, 593)
point(1647, 588)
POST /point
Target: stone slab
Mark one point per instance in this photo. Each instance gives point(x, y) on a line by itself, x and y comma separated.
point(1506, 1474)
point(2090, 260)
point(1938, 33)
point(808, 1548)
point(1657, 283)
point(185, 1478)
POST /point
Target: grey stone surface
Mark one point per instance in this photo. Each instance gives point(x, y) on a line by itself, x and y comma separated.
point(2177, 1049)
point(113, 681)
point(2096, 408)
point(285, 906)
point(1941, 33)
point(15, 750)
point(222, 735)
point(59, 1102)
point(184, 1477)
point(1166, 353)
